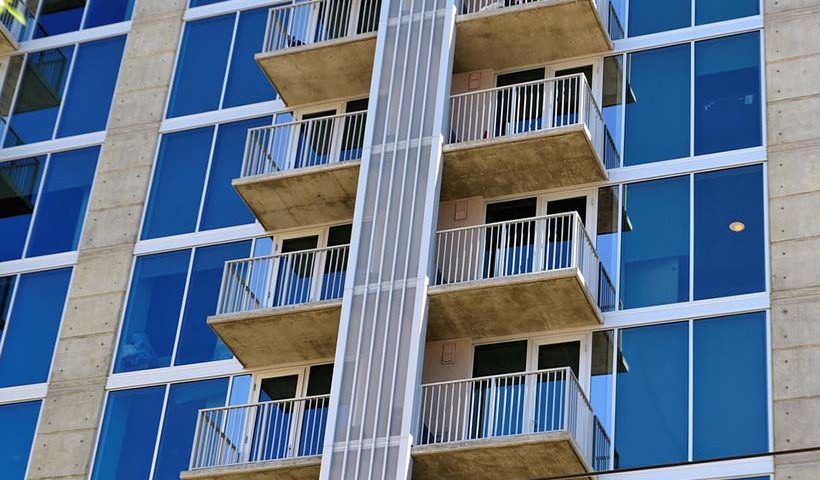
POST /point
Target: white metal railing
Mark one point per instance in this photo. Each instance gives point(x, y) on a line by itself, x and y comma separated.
point(283, 279)
point(306, 22)
point(304, 143)
point(531, 107)
point(520, 247)
point(17, 29)
point(259, 432)
point(512, 404)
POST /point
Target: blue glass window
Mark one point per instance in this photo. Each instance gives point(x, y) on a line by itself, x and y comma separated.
point(19, 421)
point(104, 12)
point(655, 243)
point(201, 66)
point(728, 94)
point(708, 11)
point(128, 434)
point(92, 87)
point(246, 82)
point(176, 191)
point(62, 205)
point(223, 206)
point(152, 314)
point(32, 328)
point(199, 3)
point(652, 407)
point(59, 16)
point(197, 342)
point(729, 233)
point(650, 16)
point(657, 104)
point(730, 386)
point(179, 424)
point(19, 183)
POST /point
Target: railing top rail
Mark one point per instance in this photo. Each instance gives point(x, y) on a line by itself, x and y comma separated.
point(567, 370)
point(523, 84)
point(262, 404)
point(287, 254)
point(511, 222)
point(308, 120)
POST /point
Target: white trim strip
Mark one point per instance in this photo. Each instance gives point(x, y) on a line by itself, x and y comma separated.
point(162, 376)
point(688, 34)
point(52, 146)
point(198, 239)
point(23, 393)
point(712, 471)
point(79, 36)
point(685, 166)
point(34, 264)
point(700, 309)
point(226, 115)
point(230, 6)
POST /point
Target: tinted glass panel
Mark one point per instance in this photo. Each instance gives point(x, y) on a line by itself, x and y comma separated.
point(652, 411)
point(59, 16)
point(246, 82)
point(152, 314)
point(729, 233)
point(603, 344)
point(727, 94)
point(708, 11)
point(128, 434)
point(6, 289)
point(184, 401)
point(19, 182)
point(32, 327)
point(655, 243)
point(730, 381)
point(103, 12)
point(223, 206)
point(63, 202)
point(499, 358)
point(320, 379)
point(197, 342)
point(19, 421)
point(92, 87)
point(613, 104)
point(176, 190)
point(657, 108)
point(201, 66)
point(199, 3)
point(650, 16)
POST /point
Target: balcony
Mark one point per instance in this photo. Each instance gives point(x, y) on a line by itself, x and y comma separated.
point(265, 441)
point(526, 425)
point(12, 29)
point(320, 50)
point(282, 308)
point(304, 172)
point(502, 34)
point(526, 137)
point(516, 277)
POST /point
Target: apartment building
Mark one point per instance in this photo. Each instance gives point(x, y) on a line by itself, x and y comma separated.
point(430, 239)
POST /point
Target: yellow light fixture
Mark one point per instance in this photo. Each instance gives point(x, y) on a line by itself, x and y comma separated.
point(737, 227)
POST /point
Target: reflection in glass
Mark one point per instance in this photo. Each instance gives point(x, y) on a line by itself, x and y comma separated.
point(603, 344)
point(606, 243)
point(59, 16)
point(651, 16)
point(19, 182)
point(246, 83)
point(708, 11)
point(613, 103)
point(19, 421)
point(273, 431)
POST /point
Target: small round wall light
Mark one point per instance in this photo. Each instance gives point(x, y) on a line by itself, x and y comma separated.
point(737, 227)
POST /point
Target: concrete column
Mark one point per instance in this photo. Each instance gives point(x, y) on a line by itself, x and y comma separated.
point(793, 95)
point(72, 409)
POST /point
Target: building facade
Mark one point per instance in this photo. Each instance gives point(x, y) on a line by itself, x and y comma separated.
point(410, 239)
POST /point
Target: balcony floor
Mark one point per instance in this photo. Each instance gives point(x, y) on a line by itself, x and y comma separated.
point(537, 455)
point(533, 33)
point(320, 72)
point(302, 197)
point(533, 302)
point(527, 162)
point(305, 468)
point(286, 334)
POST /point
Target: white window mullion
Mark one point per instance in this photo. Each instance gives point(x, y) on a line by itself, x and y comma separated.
point(159, 432)
point(37, 203)
point(11, 309)
point(227, 71)
point(182, 306)
point(207, 179)
point(20, 77)
point(64, 95)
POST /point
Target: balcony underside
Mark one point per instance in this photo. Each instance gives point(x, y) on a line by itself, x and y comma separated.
point(533, 302)
point(538, 455)
point(306, 468)
point(301, 197)
point(533, 33)
point(527, 162)
point(295, 333)
point(323, 71)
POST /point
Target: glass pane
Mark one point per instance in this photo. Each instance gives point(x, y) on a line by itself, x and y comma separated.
point(92, 87)
point(246, 82)
point(19, 421)
point(730, 239)
point(728, 94)
point(613, 106)
point(240, 390)
point(730, 387)
point(184, 401)
point(603, 344)
point(152, 314)
point(128, 434)
point(223, 206)
point(657, 104)
point(199, 3)
point(6, 289)
point(197, 342)
point(59, 16)
point(39, 97)
point(708, 11)
point(33, 326)
point(650, 16)
point(19, 182)
point(63, 202)
point(655, 243)
point(652, 411)
point(607, 245)
point(201, 66)
point(499, 358)
point(176, 190)
point(104, 12)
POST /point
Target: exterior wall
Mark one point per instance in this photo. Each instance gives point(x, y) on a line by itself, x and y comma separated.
point(439, 369)
point(461, 213)
point(792, 69)
point(73, 406)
